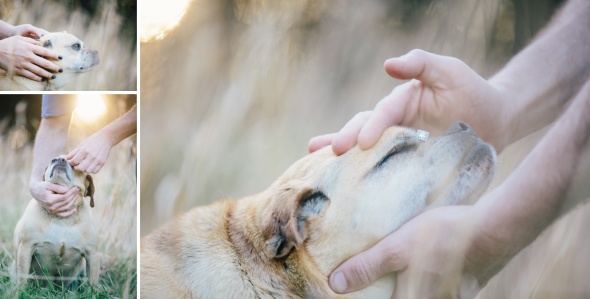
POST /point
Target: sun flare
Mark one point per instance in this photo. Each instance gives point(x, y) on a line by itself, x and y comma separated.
point(89, 107)
point(158, 17)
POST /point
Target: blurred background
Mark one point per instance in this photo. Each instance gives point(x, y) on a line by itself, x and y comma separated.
point(233, 90)
point(115, 196)
point(108, 26)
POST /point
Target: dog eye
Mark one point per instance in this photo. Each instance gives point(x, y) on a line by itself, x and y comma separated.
point(76, 46)
point(53, 161)
point(402, 148)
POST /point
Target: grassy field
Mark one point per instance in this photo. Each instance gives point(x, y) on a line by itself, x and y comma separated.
point(118, 66)
point(238, 90)
point(114, 215)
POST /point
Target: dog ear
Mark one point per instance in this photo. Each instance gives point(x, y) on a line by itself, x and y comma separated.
point(90, 189)
point(287, 227)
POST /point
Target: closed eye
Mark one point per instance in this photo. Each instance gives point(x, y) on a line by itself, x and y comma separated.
point(396, 151)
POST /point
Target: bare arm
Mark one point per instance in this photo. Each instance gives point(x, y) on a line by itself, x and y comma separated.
point(530, 92)
point(50, 142)
point(531, 198)
point(539, 82)
point(91, 154)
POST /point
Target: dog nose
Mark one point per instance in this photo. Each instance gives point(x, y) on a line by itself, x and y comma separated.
point(459, 126)
point(62, 160)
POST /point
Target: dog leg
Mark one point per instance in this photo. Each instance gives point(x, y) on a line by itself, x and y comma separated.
point(24, 255)
point(92, 267)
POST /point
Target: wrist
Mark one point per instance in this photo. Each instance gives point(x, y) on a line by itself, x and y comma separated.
point(7, 30)
point(508, 112)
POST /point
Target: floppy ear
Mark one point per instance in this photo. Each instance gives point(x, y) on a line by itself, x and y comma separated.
point(90, 189)
point(286, 229)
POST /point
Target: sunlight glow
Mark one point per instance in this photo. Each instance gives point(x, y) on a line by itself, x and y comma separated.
point(158, 17)
point(90, 106)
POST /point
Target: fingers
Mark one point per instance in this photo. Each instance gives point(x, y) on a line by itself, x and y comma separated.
point(56, 202)
point(39, 71)
point(319, 142)
point(75, 157)
point(368, 266)
point(388, 112)
point(348, 135)
point(84, 165)
point(418, 64)
point(28, 74)
point(95, 167)
point(40, 51)
point(35, 32)
point(71, 155)
point(56, 188)
point(46, 64)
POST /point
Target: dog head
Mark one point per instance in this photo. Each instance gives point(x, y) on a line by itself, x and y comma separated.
point(60, 172)
point(327, 208)
point(75, 58)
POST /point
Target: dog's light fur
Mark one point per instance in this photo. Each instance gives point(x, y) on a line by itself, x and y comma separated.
point(285, 241)
point(48, 245)
point(74, 63)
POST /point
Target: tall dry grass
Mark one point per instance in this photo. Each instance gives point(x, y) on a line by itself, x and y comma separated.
point(114, 215)
point(232, 95)
point(118, 58)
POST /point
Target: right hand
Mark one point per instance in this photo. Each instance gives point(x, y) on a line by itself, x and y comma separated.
point(442, 90)
point(56, 199)
point(22, 56)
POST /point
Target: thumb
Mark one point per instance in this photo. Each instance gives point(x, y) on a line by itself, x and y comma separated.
point(365, 268)
point(418, 64)
point(56, 188)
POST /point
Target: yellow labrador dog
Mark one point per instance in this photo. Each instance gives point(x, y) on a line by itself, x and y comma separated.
point(60, 249)
point(76, 60)
point(285, 241)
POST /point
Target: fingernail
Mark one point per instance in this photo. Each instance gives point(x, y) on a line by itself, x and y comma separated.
point(43, 79)
point(60, 57)
point(339, 282)
point(53, 77)
point(61, 71)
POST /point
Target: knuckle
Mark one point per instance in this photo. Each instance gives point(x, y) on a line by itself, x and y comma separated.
point(361, 272)
point(417, 52)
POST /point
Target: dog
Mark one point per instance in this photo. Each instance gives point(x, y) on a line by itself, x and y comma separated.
point(76, 60)
point(285, 241)
point(59, 249)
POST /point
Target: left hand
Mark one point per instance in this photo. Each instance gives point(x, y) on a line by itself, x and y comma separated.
point(91, 154)
point(437, 254)
point(28, 30)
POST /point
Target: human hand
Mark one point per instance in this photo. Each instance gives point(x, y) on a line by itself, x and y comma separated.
point(91, 154)
point(28, 30)
point(441, 253)
point(56, 199)
point(22, 56)
point(442, 90)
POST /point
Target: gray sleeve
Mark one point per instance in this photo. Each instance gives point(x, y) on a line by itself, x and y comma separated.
point(57, 105)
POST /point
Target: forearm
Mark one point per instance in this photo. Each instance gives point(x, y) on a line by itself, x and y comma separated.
point(541, 79)
point(50, 142)
point(5, 30)
point(530, 199)
point(121, 128)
